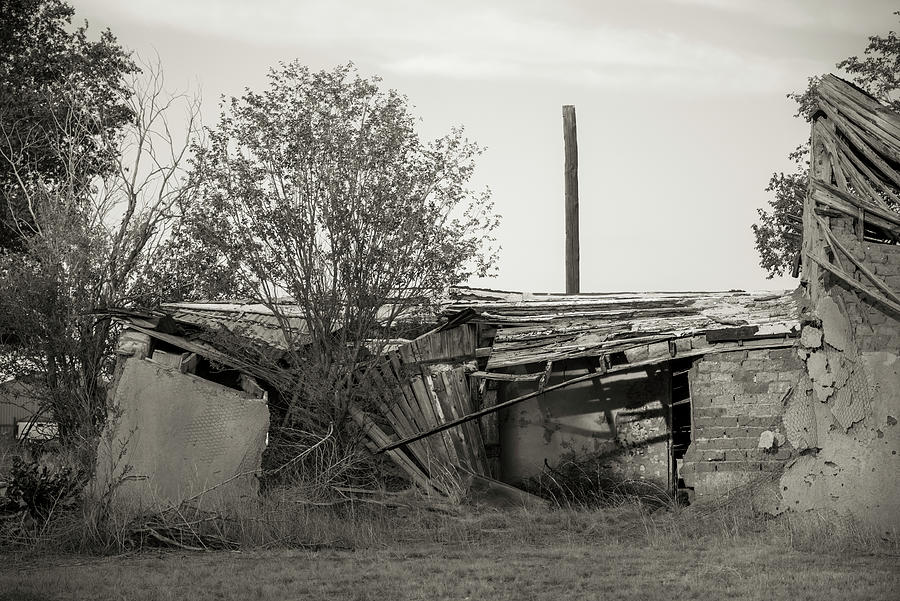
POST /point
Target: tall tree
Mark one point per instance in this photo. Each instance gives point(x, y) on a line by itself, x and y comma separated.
point(778, 232)
point(322, 190)
point(50, 74)
point(90, 243)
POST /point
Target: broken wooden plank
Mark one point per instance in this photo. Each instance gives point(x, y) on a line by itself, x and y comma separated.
point(456, 380)
point(732, 334)
point(449, 412)
point(862, 145)
point(878, 282)
point(504, 377)
point(426, 405)
point(885, 123)
point(377, 436)
point(754, 344)
point(849, 204)
point(851, 281)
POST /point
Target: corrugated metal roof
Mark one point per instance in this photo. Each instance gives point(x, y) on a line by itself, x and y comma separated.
point(255, 322)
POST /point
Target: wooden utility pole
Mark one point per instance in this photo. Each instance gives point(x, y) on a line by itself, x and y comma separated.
point(570, 137)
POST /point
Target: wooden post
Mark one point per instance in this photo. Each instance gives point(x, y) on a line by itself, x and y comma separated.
point(570, 137)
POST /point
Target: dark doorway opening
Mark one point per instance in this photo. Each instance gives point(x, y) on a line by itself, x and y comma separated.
point(680, 421)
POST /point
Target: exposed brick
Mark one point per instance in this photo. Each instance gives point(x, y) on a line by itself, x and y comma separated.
point(720, 388)
point(763, 409)
point(754, 364)
point(712, 455)
point(744, 442)
point(707, 366)
point(731, 466)
point(706, 466)
point(766, 376)
point(742, 374)
point(744, 432)
point(761, 421)
point(757, 454)
point(704, 422)
point(703, 402)
point(790, 376)
point(757, 387)
point(708, 411)
point(771, 466)
point(783, 453)
point(713, 432)
point(722, 401)
point(786, 354)
point(735, 455)
point(717, 443)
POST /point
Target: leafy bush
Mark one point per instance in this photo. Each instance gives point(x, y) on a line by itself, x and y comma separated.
point(40, 490)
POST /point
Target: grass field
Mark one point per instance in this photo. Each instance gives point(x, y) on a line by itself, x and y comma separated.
point(621, 553)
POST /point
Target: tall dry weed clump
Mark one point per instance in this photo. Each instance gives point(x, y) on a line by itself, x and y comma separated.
point(736, 517)
point(590, 482)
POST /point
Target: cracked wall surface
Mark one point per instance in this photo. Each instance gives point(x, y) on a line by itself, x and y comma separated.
point(737, 403)
point(175, 435)
point(843, 416)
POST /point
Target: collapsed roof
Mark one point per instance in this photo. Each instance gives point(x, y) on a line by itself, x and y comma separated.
point(535, 328)
point(427, 391)
point(855, 172)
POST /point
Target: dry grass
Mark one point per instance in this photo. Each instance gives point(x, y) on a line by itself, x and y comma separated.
point(401, 546)
point(406, 551)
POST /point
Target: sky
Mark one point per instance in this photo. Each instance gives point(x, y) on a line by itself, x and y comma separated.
point(681, 108)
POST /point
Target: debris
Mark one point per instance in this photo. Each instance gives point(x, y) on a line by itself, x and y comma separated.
point(767, 440)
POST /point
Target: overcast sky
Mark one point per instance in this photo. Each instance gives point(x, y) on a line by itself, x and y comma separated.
point(681, 108)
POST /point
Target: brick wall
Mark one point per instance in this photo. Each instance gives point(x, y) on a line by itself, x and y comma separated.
point(876, 328)
point(736, 397)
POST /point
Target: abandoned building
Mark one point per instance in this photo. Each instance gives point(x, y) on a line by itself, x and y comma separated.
point(795, 394)
point(554, 375)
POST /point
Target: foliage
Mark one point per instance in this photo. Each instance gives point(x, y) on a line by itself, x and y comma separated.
point(319, 188)
point(88, 247)
point(51, 73)
point(778, 231)
point(41, 491)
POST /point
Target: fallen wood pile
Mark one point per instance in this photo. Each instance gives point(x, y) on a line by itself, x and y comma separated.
point(418, 387)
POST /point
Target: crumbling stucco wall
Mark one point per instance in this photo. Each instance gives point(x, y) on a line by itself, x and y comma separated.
point(620, 421)
point(737, 407)
point(843, 417)
point(174, 435)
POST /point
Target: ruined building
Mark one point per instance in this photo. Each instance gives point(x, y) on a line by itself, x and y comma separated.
point(794, 396)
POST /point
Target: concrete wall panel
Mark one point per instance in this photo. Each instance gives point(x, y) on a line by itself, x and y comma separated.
point(177, 435)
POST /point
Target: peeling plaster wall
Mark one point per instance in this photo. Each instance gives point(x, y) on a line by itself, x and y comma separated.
point(843, 417)
point(737, 406)
point(622, 421)
point(175, 435)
